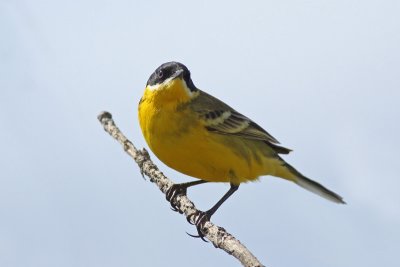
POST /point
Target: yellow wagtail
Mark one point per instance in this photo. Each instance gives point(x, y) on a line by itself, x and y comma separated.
point(201, 136)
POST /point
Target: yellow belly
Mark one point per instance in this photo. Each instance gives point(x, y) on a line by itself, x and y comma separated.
point(179, 140)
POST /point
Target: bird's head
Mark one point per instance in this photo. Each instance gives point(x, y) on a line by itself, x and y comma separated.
point(171, 82)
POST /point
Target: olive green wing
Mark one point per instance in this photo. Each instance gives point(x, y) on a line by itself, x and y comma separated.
point(220, 118)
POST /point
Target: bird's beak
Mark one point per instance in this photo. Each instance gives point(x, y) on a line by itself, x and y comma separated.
point(177, 74)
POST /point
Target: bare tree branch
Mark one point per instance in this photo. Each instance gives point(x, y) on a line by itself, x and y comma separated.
point(218, 236)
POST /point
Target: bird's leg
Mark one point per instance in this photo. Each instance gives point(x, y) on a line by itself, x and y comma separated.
point(179, 189)
point(200, 218)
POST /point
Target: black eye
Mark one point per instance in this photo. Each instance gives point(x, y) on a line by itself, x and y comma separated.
point(160, 73)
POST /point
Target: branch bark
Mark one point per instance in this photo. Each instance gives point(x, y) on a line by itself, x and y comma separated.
point(217, 235)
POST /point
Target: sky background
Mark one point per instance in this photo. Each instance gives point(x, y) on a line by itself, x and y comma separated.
point(320, 76)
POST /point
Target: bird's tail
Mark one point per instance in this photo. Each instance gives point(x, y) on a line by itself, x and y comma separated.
point(319, 189)
point(293, 175)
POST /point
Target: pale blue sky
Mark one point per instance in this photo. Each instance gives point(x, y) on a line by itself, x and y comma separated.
point(320, 76)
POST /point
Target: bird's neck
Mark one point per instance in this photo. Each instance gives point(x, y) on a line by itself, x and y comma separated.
point(171, 96)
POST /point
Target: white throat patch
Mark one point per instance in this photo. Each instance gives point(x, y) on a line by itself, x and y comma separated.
point(158, 85)
point(190, 93)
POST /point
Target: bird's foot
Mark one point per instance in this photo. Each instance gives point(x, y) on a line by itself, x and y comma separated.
point(199, 219)
point(171, 194)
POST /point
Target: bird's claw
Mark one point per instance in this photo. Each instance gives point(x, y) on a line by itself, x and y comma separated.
point(198, 219)
point(171, 194)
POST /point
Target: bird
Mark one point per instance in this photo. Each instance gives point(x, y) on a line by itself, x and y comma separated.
point(200, 136)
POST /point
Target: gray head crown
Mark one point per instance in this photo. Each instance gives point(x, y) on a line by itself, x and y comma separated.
point(171, 70)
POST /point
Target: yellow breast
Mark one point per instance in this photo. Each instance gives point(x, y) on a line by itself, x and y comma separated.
point(178, 138)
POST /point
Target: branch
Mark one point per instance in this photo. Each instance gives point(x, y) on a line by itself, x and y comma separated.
point(218, 236)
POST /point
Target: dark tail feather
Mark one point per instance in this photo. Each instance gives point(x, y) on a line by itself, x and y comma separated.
point(279, 149)
point(313, 186)
point(318, 189)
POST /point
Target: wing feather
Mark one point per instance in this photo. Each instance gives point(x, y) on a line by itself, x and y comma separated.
point(221, 118)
